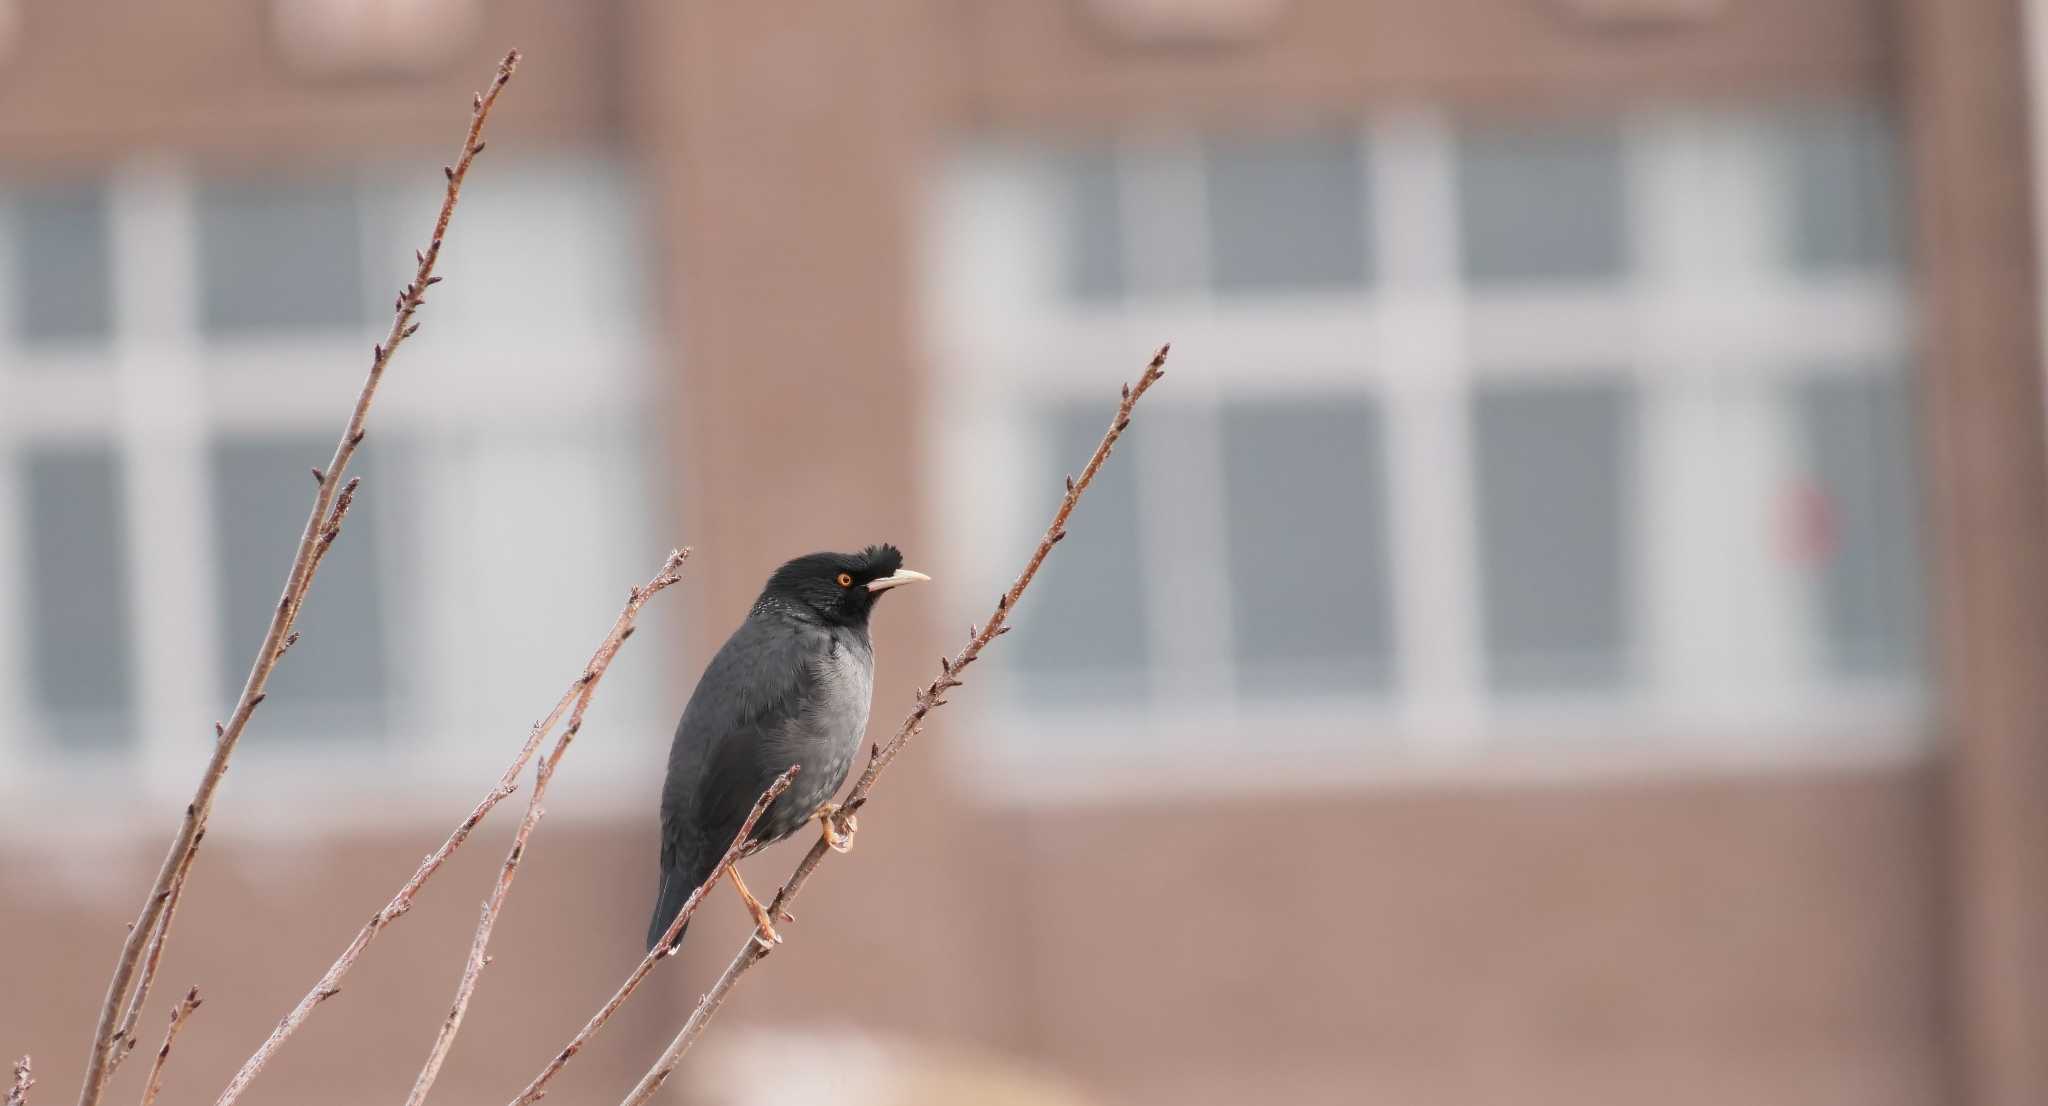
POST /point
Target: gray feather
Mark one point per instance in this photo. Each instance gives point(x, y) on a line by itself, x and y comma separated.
point(784, 689)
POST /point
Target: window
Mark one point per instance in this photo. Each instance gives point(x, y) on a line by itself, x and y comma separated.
point(1284, 214)
point(1311, 612)
point(1553, 468)
point(336, 685)
point(60, 263)
point(1861, 532)
point(80, 667)
point(1091, 641)
point(1094, 225)
point(1482, 436)
point(279, 256)
point(179, 349)
point(1546, 204)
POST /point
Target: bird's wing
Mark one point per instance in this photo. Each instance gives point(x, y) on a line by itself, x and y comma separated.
point(753, 688)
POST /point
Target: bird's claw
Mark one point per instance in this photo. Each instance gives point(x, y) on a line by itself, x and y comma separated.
point(839, 826)
point(764, 926)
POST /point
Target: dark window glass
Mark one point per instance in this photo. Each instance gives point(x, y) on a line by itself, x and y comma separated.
point(1858, 437)
point(63, 276)
point(1844, 181)
point(1307, 498)
point(335, 677)
point(1286, 213)
point(1085, 623)
point(80, 653)
point(1543, 204)
point(1094, 225)
point(1555, 542)
point(277, 257)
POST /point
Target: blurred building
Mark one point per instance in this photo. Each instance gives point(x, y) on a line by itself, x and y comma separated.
point(1572, 627)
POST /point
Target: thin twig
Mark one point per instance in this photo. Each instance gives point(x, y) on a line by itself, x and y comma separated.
point(330, 983)
point(322, 524)
point(537, 1089)
point(929, 698)
point(17, 1092)
point(125, 1035)
point(179, 1014)
point(479, 959)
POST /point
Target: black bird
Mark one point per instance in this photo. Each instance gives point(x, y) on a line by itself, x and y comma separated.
point(790, 686)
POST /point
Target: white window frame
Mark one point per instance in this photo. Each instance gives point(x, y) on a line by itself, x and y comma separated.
point(158, 391)
point(1699, 308)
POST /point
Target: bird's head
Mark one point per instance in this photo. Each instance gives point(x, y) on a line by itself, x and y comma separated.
point(840, 588)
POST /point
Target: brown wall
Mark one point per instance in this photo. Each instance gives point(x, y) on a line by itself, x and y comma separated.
point(90, 80)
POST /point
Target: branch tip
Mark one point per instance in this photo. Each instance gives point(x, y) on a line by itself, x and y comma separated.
point(136, 965)
point(17, 1092)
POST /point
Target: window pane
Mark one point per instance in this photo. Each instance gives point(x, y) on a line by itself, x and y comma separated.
point(1547, 204)
point(1307, 500)
point(548, 241)
point(1094, 226)
point(1845, 209)
point(62, 269)
point(1858, 448)
point(81, 659)
point(334, 679)
point(1555, 553)
point(275, 257)
point(1084, 629)
point(1286, 213)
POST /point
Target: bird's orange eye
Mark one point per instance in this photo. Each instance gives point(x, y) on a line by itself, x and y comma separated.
point(846, 579)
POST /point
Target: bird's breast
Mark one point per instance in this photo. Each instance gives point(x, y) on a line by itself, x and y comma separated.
point(825, 737)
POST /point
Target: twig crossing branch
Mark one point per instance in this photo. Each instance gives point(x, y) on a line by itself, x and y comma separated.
point(537, 1089)
point(331, 499)
point(929, 697)
point(578, 693)
point(542, 773)
point(180, 1014)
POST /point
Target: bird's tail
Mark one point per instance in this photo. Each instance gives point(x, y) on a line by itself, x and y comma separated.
point(677, 882)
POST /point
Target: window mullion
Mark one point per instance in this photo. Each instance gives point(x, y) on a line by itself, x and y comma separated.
point(1180, 524)
point(1724, 624)
point(1420, 317)
point(162, 438)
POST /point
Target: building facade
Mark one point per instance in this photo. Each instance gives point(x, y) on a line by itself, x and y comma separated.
point(1570, 628)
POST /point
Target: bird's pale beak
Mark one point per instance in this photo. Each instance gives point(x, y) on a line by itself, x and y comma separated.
point(897, 579)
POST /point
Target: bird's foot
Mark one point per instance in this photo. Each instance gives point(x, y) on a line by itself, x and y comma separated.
point(764, 926)
point(839, 826)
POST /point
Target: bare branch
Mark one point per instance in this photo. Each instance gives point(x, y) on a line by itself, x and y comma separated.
point(322, 522)
point(17, 1092)
point(179, 1014)
point(578, 693)
point(928, 698)
point(124, 1037)
point(543, 772)
point(537, 1089)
